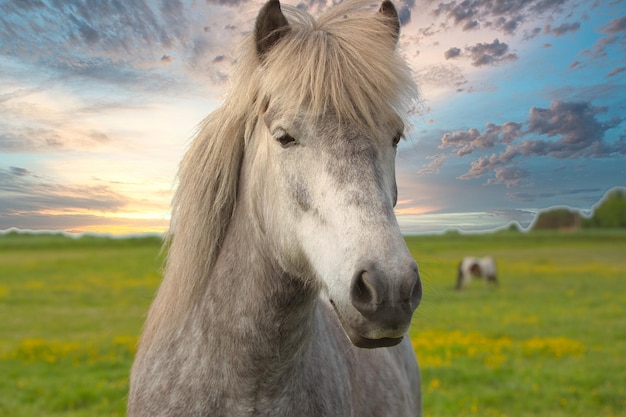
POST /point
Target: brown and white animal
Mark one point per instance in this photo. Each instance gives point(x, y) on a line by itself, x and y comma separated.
point(288, 288)
point(478, 268)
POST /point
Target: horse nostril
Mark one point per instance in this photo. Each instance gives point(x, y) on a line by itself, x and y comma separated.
point(363, 293)
point(416, 291)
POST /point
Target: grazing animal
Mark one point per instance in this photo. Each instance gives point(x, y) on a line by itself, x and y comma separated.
point(288, 288)
point(476, 267)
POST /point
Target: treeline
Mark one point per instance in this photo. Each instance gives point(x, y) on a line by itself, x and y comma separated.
point(20, 239)
point(609, 213)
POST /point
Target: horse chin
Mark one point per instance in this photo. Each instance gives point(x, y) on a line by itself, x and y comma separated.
point(361, 341)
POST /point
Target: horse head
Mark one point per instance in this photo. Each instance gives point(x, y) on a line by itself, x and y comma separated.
point(320, 165)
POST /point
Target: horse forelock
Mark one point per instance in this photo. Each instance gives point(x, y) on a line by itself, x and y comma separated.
point(344, 63)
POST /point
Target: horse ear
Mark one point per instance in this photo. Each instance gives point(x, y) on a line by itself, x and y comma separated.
point(271, 25)
point(389, 11)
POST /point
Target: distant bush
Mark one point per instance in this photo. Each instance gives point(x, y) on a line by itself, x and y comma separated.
point(611, 212)
point(31, 240)
point(561, 219)
point(514, 227)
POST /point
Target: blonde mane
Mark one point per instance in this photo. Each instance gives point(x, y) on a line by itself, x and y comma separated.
point(343, 63)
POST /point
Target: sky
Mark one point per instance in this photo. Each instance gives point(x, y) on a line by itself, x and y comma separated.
point(522, 107)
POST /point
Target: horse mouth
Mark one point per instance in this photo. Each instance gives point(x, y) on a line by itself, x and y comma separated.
point(361, 341)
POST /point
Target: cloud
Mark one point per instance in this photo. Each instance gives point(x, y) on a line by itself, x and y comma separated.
point(504, 16)
point(452, 53)
point(114, 26)
point(34, 201)
point(19, 172)
point(616, 31)
point(440, 76)
point(512, 176)
point(528, 197)
point(129, 42)
point(48, 140)
point(574, 65)
point(531, 34)
point(459, 13)
point(562, 29)
point(565, 130)
point(466, 142)
point(226, 2)
point(106, 70)
point(33, 194)
point(578, 130)
point(616, 25)
point(616, 71)
point(483, 54)
point(434, 166)
point(508, 26)
point(490, 53)
point(118, 41)
point(44, 122)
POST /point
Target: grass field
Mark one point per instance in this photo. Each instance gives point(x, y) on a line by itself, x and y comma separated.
point(550, 340)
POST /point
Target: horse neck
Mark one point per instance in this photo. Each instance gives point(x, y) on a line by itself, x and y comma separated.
point(264, 312)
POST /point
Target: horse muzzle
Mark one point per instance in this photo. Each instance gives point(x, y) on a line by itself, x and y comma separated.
point(382, 305)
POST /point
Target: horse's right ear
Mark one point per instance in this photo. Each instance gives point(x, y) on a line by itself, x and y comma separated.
point(271, 25)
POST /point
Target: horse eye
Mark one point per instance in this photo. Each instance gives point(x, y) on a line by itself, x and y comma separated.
point(396, 139)
point(286, 140)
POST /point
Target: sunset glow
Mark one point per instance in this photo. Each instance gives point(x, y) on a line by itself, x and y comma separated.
point(522, 109)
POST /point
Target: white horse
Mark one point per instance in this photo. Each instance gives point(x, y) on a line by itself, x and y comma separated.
point(288, 288)
point(476, 267)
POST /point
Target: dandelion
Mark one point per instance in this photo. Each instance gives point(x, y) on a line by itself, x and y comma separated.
point(434, 384)
point(438, 349)
point(32, 350)
point(557, 347)
point(495, 361)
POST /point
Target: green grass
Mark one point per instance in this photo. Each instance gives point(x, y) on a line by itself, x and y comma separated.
point(550, 340)
point(71, 311)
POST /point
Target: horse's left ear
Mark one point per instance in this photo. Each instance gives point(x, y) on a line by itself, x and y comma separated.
point(389, 11)
point(271, 25)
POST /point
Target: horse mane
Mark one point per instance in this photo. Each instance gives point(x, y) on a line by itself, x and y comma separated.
point(343, 63)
